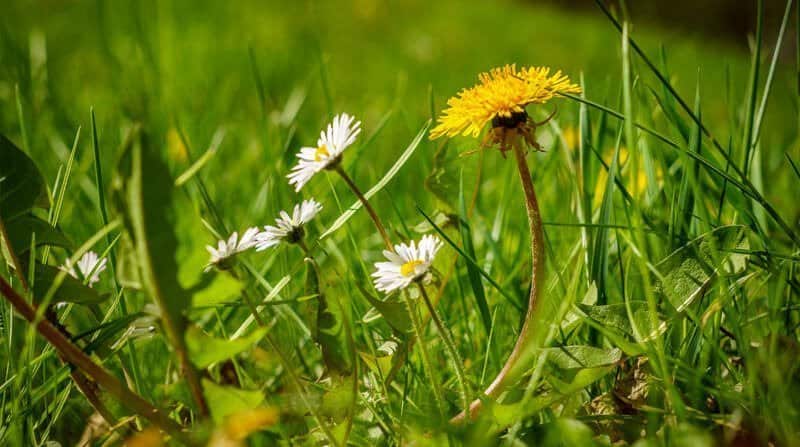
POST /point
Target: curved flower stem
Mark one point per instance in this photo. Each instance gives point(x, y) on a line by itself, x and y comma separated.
point(367, 206)
point(450, 346)
point(76, 357)
point(509, 371)
point(426, 362)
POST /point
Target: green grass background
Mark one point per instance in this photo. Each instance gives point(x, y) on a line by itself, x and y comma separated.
point(195, 67)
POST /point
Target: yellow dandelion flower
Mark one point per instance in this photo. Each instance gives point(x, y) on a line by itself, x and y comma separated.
point(500, 99)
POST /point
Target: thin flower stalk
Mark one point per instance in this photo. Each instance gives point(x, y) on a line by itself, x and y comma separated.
point(416, 324)
point(450, 346)
point(367, 206)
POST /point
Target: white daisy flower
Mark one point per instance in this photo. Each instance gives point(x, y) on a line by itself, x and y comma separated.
point(234, 245)
point(340, 134)
point(407, 263)
point(89, 265)
point(289, 228)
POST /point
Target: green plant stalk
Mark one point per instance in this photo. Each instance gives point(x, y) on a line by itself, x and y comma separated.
point(76, 357)
point(426, 362)
point(455, 357)
point(510, 371)
point(130, 348)
point(173, 324)
point(371, 211)
point(287, 366)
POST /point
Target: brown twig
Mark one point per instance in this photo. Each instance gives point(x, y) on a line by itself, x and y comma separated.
point(74, 356)
point(13, 255)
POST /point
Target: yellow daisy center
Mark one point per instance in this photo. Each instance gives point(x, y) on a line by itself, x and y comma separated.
point(322, 152)
point(410, 267)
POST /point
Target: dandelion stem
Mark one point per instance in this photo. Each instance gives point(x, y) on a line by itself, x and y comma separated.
point(76, 357)
point(426, 362)
point(510, 370)
point(451, 348)
point(367, 206)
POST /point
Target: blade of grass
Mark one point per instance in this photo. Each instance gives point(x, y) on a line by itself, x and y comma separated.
point(752, 92)
point(471, 261)
point(472, 272)
point(381, 183)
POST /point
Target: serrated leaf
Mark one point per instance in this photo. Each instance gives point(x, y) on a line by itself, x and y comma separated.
point(70, 291)
point(688, 271)
point(21, 229)
point(205, 350)
point(612, 321)
point(614, 316)
point(331, 333)
point(21, 184)
point(224, 401)
point(577, 357)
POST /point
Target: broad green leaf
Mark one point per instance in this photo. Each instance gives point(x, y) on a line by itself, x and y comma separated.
point(391, 309)
point(578, 357)
point(206, 288)
point(215, 288)
point(338, 400)
point(568, 432)
point(381, 365)
point(22, 228)
point(21, 184)
point(205, 350)
point(508, 414)
point(70, 291)
point(224, 401)
point(688, 272)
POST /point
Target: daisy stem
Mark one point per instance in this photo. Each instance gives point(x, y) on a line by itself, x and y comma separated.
point(510, 370)
point(302, 244)
point(426, 362)
point(367, 206)
point(452, 351)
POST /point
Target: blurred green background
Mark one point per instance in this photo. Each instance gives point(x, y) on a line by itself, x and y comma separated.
point(190, 65)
